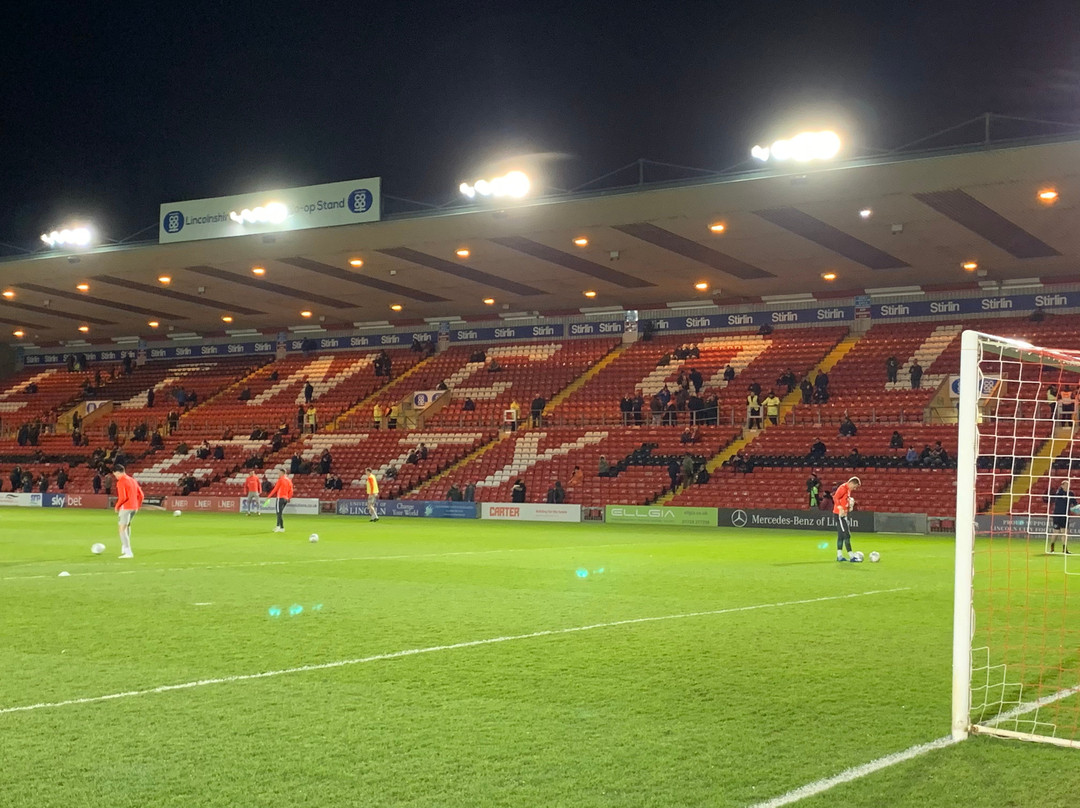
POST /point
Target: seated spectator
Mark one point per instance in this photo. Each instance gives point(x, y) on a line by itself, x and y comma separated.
point(896, 441)
point(925, 455)
point(391, 472)
point(494, 366)
point(729, 373)
point(912, 457)
point(517, 493)
point(442, 386)
point(156, 441)
point(854, 459)
point(848, 428)
point(413, 458)
point(181, 449)
point(245, 394)
point(468, 405)
point(602, 467)
point(478, 356)
point(575, 477)
point(702, 476)
point(219, 452)
point(686, 436)
point(817, 449)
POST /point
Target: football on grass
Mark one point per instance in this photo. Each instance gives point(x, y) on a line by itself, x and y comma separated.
point(97, 549)
point(875, 556)
point(176, 513)
point(858, 556)
point(314, 537)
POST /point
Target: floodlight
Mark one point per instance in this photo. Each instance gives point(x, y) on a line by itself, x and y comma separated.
point(77, 236)
point(802, 148)
point(513, 184)
point(270, 213)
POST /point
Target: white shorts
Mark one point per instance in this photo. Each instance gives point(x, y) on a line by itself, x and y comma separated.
point(126, 516)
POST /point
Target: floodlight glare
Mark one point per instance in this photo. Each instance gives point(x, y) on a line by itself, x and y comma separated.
point(802, 148)
point(514, 184)
point(270, 213)
point(69, 237)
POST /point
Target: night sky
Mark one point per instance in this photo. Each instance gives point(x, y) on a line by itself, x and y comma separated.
point(112, 108)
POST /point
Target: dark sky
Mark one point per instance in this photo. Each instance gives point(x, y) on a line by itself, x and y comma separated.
point(112, 108)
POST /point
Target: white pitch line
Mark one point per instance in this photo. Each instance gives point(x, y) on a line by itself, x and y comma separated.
point(286, 562)
point(857, 772)
point(432, 649)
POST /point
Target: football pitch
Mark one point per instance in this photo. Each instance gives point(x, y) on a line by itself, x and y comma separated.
point(433, 663)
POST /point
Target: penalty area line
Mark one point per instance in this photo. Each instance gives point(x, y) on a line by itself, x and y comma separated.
point(341, 663)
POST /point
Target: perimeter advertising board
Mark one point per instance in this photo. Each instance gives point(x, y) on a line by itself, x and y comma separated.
point(335, 203)
point(409, 507)
point(660, 515)
point(530, 512)
point(861, 521)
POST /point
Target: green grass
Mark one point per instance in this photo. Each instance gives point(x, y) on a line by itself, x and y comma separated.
point(711, 710)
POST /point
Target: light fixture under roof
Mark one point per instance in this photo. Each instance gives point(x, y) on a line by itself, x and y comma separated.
point(581, 241)
point(226, 318)
point(356, 262)
point(489, 301)
point(305, 313)
point(1048, 196)
point(396, 307)
point(829, 276)
point(590, 293)
point(258, 270)
point(970, 266)
point(8, 293)
point(84, 328)
point(18, 333)
point(462, 252)
point(153, 323)
point(165, 280)
point(83, 287)
point(717, 227)
point(701, 286)
point(866, 213)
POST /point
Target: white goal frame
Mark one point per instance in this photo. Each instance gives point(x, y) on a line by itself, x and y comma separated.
point(968, 414)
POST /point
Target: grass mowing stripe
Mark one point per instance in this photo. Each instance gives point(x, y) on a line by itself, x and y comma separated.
point(857, 772)
point(432, 649)
point(286, 562)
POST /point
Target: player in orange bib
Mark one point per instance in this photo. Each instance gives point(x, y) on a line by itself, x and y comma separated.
point(252, 490)
point(372, 483)
point(843, 505)
point(282, 491)
point(129, 498)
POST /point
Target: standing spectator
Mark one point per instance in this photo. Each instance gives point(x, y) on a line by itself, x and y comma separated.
point(696, 407)
point(515, 416)
point(377, 415)
point(892, 366)
point(915, 373)
point(817, 450)
point(1061, 502)
point(772, 408)
point(602, 467)
point(113, 430)
point(517, 493)
point(150, 396)
point(807, 390)
point(639, 405)
point(43, 483)
point(453, 494)
point(395, 413)
point(626, 409)
point(729, 374)
point(813, 490)
point(696, 379)
point(311, 419)
point(300, 419)
point(537, 410)
point(309, 391)
point(756, 388)
point(470, 492)
point(753, 410)
point(896, 441)
point(294, 463)
point(821, 386)
point(687, 468)
point(560, 493)
point(656, 409)
point(1066, 408)
point(61, 478)
point(1051, 401)
point(96, 482)
point(673, 472)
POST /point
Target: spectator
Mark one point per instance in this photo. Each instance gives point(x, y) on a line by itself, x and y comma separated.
point(311, 419)
point(626, 409)
point(673, 469)
point(27, 482)
point(765, 330)
point(656, 410)
point(395, 413)
point(23, 435)
point(468, 405)
point(413, 458)
point(686, 435)
point(113, 430)
point(696, 379)
point(273, 376)
point(96, 482)
point(422, 450)
point(687, 468)
point(1038, 315)
point(756, 388)
point(575, 477)
point(203, 452)
point(817, 450)
point(807, 390)
point(193, 397)
point(925, 455)
point(848, 428)
point(1051, 401)
point(442, 386)
point(517, 493)
point(560, 493)
point(826, 501)
point(896, 441)
point(912, 457)
point(325, 462)
point(664, 395)
point(729, 374)
point(813, 490)
point(915, 373)
point(515, 414)
point(150, 396)
point(61, 478)
point(602, 467)
point(682, 399)
point(391, 473)
point(294, 463)
point(173, 420)
point(772, 408)
point(76, 437)
point(821, 386)
point(639, 406)
point(549, 498)
point(1066, 408)
point(478, 355)
point(453, 494)
point(300, 419)
point(854, 459)
point(245, 394)
point(537, 410)
point(892, 366)
point(495, 367)
point(753, 410)
point(377, 415)
point(43, 483)
point(470, 492)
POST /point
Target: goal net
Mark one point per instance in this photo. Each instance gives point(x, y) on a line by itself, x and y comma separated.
point(1016, 644)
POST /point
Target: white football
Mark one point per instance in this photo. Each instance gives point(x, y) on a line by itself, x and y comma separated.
point(858, 555)
point(176, 513)
point(97, 549)
point(314, 537)
point(875, 556)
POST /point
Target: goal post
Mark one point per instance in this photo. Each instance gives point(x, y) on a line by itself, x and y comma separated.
point(1016, 609)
